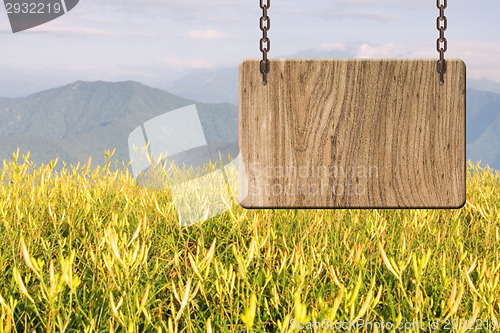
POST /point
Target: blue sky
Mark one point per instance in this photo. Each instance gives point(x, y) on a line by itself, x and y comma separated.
point(158, 41)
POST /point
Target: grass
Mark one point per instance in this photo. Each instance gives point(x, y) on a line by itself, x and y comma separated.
point(86, 250)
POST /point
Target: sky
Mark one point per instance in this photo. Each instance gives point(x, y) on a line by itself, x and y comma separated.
point(158, 41)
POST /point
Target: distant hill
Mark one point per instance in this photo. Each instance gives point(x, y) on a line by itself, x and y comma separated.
point(208, 85)
point(221, 85)
point(84, 119)
point(483, 107)
point(484, 85)
point(483, 127)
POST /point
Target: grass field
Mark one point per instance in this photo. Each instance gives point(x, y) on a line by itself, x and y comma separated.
point(86, 250)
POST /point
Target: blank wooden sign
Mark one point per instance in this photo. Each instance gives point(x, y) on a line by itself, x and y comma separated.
point(352, 134)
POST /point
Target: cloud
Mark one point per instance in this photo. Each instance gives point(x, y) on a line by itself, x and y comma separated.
point(207, 34)
point(384, 3)
point(176, 62)
point(333, 47)
point(200, 11)
point(481, 58)
point(47, 28)
point(384, 51)
point(145, 34)
point(356, 14)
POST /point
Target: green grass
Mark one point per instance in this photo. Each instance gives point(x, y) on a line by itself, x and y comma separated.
point(86, 250)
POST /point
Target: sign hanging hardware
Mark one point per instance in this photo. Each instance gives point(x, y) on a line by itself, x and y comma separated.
point(442, 42)
point(352, 133)
point(265, 42)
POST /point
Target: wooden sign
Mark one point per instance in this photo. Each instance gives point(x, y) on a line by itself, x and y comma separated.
point(352, 133)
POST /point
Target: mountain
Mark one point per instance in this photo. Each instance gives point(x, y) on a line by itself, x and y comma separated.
point(221, 85)
point(483, 107)
point(208, 85)
point(484, 85)
point(483, 127)
point(84, 119)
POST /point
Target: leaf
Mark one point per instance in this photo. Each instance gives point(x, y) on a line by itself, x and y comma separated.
point(386, 261)
point(21, 285)
point(184, 300)
point(31, 264)
point(249, 316)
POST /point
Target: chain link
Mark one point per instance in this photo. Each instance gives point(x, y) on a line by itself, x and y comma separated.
point(441, 43)
point(265, 42)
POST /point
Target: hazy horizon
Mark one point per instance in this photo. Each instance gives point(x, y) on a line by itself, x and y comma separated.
point(157, 42)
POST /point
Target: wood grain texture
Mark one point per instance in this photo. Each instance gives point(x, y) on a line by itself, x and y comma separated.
point(352, 133)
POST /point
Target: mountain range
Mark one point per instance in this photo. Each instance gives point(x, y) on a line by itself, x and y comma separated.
point(483, 127)
point(84, 119)
point(483, 102)
point(221, 85)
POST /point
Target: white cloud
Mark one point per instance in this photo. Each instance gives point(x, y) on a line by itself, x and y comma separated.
point(386, 3)
point(207, 34)
point(356, 14)
point(185, 10)
point(145, 34)
point(384, 51)
point(481, 58)
point(333, 47)
point(70, 30)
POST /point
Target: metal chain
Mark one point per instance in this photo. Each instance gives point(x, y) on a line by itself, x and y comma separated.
point(442, 43)
point(265, 43)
